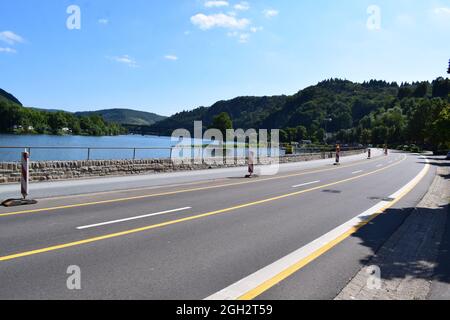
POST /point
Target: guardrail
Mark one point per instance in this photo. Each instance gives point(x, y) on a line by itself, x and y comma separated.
point(88, 149)
point(133, 150)
point(297, 150)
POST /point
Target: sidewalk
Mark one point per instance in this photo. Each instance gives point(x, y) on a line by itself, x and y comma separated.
point(414, 262)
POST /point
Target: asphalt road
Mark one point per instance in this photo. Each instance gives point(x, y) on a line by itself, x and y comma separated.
point(192, 236)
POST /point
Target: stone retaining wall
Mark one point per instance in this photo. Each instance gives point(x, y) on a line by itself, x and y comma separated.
point(58, 170)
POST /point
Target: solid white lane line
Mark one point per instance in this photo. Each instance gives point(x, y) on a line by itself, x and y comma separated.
point(132, 218)
point(359, 171)
point(253, 281)
point(305, 184)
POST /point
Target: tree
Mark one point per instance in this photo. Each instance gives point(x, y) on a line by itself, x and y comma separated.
point(57, 121)
point(222, 122)
point(421, 90)
point(320, 135)
point(284, 137)
point(366, 136)
point(404, 92)
point(380, 134)
point(441, 129)
point(441, 88)
point(301, 133)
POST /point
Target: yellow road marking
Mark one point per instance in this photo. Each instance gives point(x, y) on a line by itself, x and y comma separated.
point(183, 184)
point(196, 217)
point(250, 295)
point(78, 205)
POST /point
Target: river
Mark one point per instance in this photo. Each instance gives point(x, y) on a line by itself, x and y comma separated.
point(126, 141)
point(64, 148)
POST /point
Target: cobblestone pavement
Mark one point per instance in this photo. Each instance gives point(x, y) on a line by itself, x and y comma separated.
point(407, 262)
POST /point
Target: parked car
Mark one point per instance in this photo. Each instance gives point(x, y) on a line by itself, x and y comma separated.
point(448, 156)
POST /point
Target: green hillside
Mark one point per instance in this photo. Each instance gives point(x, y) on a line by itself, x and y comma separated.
point(14, 118)
point(374, 112)
point(126, 116)
point(9, 96)
point(246, 112)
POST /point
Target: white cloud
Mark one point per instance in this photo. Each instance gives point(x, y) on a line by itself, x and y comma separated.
point(206, 22)
point(256, 29)
point(216, 4)
point(10, 37)
point(171, 57)
point(241, 37)
point(442, 11)
point(270, 13)
point(125, 59)
point(243, 6)
point(441, 16)
point(8, 50)
point(103, 21)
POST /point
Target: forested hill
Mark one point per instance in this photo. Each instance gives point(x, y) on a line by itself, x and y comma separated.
point(246, 112)
point(126, 116)
point(8, 96)
point(371, 112)
point(14, 118)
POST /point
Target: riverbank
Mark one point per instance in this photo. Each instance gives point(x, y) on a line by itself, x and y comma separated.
point(66, 170)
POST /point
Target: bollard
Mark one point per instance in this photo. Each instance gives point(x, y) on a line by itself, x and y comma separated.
point(251, 165)
point(369, 153)
point(25, 173)
point(338, 154)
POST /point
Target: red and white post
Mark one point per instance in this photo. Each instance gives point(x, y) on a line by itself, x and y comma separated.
point(25, 174)
point(338, 154)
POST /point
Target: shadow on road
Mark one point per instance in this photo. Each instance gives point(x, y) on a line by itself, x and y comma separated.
point(404, 256)
point(423, 240)
point(437, 161)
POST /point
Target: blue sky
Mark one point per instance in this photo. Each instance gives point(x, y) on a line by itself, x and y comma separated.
point(168, 56)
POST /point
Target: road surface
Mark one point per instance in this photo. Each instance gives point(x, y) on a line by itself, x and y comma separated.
point(209, 234)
